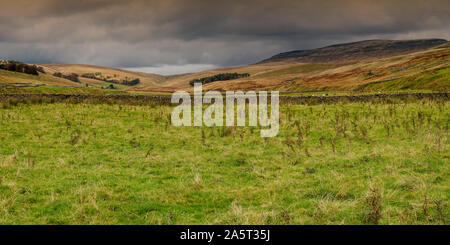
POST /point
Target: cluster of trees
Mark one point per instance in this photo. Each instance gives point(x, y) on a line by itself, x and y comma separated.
point(72, 76)
point(98, 76)
point(92, 76)
point(20, 67)
point(132, 82)
point(219, 77)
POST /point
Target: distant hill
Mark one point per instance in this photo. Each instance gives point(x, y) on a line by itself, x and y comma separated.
point(420, 65)
point(363, 50)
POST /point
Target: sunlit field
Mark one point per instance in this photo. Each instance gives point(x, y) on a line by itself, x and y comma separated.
point(354, 163)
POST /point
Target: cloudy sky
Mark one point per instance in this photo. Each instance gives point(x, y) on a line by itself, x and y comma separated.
point(178, 36)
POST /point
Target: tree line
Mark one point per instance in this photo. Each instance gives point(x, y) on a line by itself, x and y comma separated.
point(21, 67)
point(219, 77)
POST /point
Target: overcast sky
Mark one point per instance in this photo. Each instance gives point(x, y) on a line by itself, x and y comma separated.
point(178, 36)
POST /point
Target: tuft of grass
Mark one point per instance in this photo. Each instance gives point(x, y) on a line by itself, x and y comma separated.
point(373, 204)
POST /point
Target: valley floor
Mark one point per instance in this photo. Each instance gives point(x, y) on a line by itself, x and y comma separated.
point(362, 163)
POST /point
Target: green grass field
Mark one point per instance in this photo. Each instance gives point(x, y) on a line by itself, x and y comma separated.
point(360, 163)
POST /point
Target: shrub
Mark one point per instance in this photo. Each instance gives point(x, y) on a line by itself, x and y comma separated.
point(40, 69)
point(30, 70)
point(72, 76)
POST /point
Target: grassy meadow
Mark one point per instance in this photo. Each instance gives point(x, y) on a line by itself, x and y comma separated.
point(358, 163)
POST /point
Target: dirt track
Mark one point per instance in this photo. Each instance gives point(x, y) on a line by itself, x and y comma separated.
point(165, 99)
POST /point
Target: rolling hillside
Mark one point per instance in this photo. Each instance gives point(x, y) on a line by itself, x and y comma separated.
point(47, 78)
point(10, 77)
point(363, 50)
point(366, 66)
point(146, 79)
point(427, 69)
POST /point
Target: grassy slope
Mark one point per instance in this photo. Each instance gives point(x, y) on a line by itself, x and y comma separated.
point(330, 164)
point(362, 50)
point(16, 77)
point(146, 79)
point(436, 79)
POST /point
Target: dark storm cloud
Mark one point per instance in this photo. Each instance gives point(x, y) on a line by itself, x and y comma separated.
point(143, 33)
